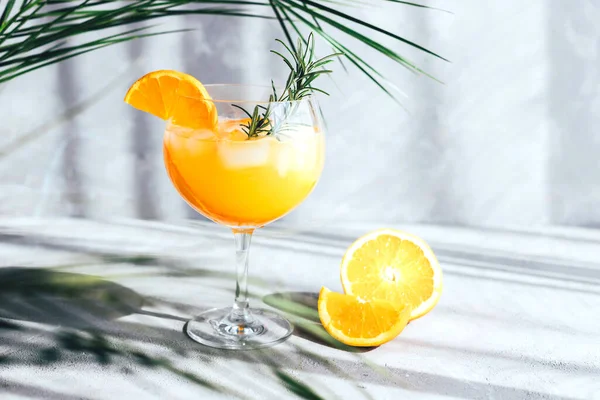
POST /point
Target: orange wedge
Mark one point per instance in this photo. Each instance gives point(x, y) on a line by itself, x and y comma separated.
point(355, 322)
point(174, 95)
point(395, 266)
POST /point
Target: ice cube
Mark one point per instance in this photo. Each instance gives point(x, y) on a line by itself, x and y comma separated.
point(305, 144)
point(284, 156)
point(246, 153)
point(202, 134)
point(173, 141)
point(180, 130)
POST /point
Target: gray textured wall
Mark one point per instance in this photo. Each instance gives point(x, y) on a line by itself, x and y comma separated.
point(509, 140)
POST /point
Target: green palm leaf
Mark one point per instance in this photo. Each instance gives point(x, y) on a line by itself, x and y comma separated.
point(36, 33)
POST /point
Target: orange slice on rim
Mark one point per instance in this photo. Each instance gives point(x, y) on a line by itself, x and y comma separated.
point(174, 95)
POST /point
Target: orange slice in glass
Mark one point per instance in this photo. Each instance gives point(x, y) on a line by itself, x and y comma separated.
point(355, 322)
point(174, 95)
point(395, 266)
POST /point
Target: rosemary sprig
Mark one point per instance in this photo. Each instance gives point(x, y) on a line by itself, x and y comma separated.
point(259, 121)
point(304, 69)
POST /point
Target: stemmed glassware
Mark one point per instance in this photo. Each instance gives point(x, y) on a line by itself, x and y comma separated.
point(245, 182)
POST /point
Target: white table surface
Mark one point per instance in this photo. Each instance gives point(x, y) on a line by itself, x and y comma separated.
point(519, 317)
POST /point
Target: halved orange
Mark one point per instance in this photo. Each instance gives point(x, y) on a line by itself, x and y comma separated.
point(174, 95)
point(395, 266)
point(355, 322)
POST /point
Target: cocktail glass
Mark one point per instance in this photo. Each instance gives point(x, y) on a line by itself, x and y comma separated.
point(245, 183)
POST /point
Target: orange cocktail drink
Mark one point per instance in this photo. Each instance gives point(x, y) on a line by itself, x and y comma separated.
point(242, 156)
point(242, 182)
point(239, 182)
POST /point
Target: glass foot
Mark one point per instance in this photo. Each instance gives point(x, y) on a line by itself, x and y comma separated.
point(217, 328)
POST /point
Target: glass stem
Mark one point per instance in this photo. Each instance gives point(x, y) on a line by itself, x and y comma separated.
point(240, 312)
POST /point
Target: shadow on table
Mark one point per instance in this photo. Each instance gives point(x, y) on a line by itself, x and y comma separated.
point(75, 301)
point(302, 309)
point(82, 310)
point(63, 298)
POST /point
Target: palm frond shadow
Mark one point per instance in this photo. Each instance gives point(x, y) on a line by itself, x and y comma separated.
point(84, 312)
point(63, 298)
point(87, 328)
point(90, 321)
point(28, 390)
